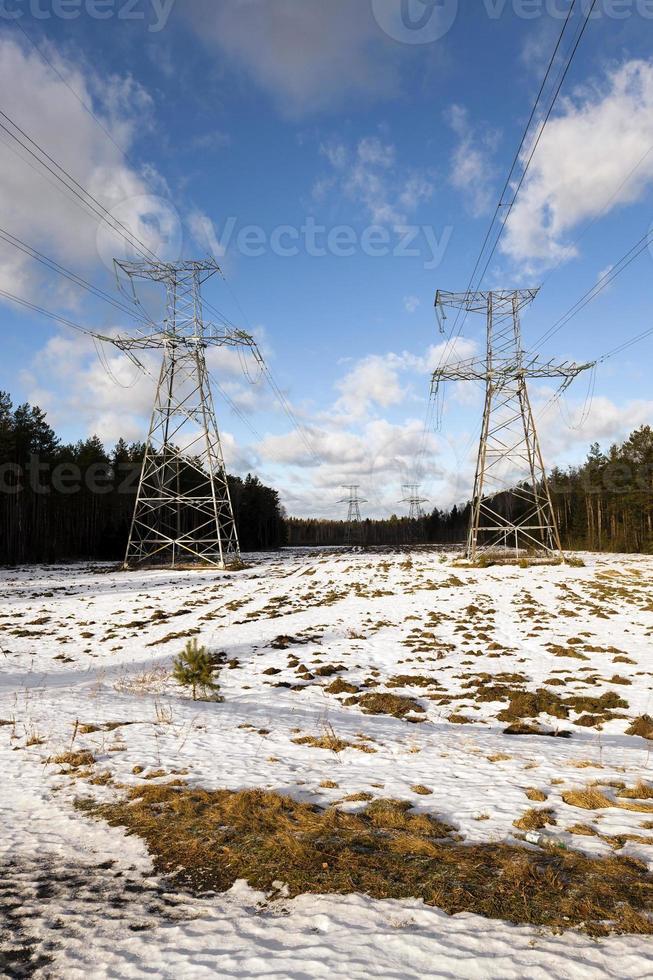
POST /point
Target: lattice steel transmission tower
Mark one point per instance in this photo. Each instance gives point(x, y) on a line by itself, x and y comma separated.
point(183, 511)
point(412, 497)
point(354, 531)
point(511, 505)
point(416, 530)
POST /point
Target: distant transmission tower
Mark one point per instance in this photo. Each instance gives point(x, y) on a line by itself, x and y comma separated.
point(415, 530)
point(510, 460)
point(412, 497)
point(354, 530)
point(183, 512)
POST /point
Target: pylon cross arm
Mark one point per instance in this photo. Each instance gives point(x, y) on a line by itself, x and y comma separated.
point(475, 369)
point(472, 369)
point(158, 340)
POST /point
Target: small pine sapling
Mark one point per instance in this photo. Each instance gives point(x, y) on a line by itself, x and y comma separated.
point(193, 668)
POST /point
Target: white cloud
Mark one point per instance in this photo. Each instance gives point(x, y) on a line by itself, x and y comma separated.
point(472, 172)
point(379, 456)
point(583, 165)
point(373, 381)
point(411, 303)
point(376, 381)
point(355, 443)
point(370, 176)
point(111, 398)
point(566, 432)
point(308, 54)
point(31, 205)
point(69, 382)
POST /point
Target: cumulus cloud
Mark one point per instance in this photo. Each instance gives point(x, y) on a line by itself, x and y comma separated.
point(369, 175)
point(373, 381)
point(378, 455)
point(566, 432)
point(69, 382)
point(472, 171)
point(104, 394)
point(379, 380)
point(32, 205)
point(307, 53)
point(594, 156)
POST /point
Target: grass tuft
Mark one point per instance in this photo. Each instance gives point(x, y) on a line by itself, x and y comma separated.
point(535, 819)
point(642, 726)
point(537, 795)
point(76, 760)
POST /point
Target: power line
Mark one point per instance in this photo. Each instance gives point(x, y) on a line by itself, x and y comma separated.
point(72, 184)
point(603, 282)
point(522, 143)
point(88, 109)
point(104, 215)
point(48, 313)
point(456, 329)
point(107, 133)
point(561, 82)
point(83, 197)
point(54, 266)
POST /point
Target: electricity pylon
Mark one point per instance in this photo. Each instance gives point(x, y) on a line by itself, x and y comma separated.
point(413, 498)
point(183, 511)
point(511, 505)
point(415, 530)
point(354, 530)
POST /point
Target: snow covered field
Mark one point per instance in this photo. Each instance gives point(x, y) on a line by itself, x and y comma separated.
point(309, 638)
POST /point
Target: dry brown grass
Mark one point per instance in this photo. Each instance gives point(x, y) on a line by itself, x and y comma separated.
point(583, 829)
point(642, 726)
point(332, 742)
point(537, 795)
point(535, 819)
point(327, 741)
point(341, 687)
point(75, 760)
point(208, 840)
point(422, 790)
point(640, 791)
point(412, 680)
point(591, 798)
point(387, 704)
point(529, 704)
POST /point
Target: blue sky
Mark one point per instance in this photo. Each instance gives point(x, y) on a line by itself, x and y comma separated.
point(287, 115)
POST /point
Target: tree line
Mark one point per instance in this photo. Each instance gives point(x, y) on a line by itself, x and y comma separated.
point(62, 502)
point(606, 503)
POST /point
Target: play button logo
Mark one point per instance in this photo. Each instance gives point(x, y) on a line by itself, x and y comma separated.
point(415, 21)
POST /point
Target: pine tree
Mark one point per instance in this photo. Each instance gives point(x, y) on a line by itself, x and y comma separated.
point(193, 668)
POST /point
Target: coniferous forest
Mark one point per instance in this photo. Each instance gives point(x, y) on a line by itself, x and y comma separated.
point(61, 502)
